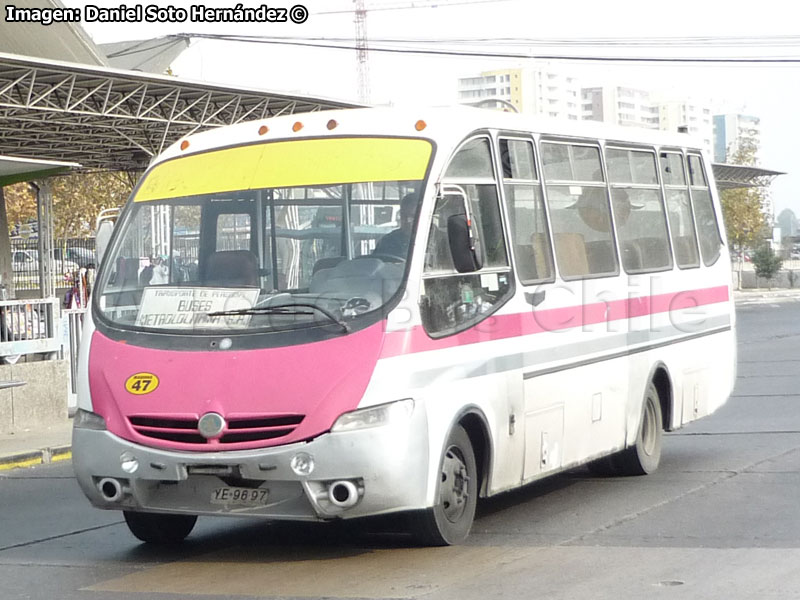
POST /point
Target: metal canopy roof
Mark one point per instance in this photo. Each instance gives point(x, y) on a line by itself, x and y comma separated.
point(113, 119)
point(150, 56)
point(730, 177)
point(59, 41)
point(15, 170)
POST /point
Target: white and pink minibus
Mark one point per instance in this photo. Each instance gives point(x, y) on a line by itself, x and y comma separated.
point(350, 313)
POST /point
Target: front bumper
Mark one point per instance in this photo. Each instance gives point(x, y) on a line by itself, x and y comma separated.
point(387, 465)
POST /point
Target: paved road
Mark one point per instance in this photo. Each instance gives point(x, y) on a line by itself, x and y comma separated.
point(720, 519)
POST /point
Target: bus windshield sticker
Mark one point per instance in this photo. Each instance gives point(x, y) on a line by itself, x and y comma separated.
point(188, 308)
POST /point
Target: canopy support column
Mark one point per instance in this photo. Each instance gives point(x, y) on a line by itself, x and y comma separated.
point(44, 212)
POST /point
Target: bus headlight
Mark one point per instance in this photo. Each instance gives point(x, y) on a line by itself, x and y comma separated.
point(374, 416)
point(85, 419)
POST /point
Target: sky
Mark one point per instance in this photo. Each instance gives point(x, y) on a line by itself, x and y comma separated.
point(582, 27)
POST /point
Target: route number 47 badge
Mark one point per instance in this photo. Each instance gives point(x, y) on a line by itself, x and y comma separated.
point(141, 383)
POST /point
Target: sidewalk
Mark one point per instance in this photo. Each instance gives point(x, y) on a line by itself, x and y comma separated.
point(761, 296)
point(35, 447)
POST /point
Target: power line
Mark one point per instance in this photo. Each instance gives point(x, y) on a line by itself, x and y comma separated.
point(412, 5)
point(510, 55)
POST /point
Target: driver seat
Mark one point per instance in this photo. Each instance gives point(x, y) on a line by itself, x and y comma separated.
point(232, 268)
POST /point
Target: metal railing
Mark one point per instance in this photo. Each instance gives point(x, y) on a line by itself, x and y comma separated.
point(29, 326)
point(74, 324)
point(68, 256)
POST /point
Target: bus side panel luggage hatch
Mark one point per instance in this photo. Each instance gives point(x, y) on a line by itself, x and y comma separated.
point(544, 437)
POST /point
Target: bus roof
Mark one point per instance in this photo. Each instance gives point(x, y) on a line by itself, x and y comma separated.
point(445, 125)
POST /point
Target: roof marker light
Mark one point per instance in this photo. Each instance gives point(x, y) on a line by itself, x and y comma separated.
point(297, 126)
point(184, 144)
point(263, 129)
point(332, 124)
point(420, 125)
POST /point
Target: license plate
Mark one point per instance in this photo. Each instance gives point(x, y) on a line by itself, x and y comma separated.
point(240, 496)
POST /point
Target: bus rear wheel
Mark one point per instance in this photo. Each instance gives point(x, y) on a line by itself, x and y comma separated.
point(450, 520)
point(643, 457)
point(159, 529)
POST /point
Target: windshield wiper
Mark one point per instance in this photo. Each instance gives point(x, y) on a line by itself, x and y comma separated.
point(290, 308)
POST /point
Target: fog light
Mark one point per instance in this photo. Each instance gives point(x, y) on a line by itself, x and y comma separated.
point(302, 464)
point(128, 462)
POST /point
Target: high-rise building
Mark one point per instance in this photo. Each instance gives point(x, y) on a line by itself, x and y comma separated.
point(619, 105)
point(729, 132)
point(540, 89)
point(692, 116)
point(546, 89)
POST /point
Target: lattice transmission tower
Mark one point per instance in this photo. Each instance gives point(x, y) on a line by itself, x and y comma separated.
point(362, 52)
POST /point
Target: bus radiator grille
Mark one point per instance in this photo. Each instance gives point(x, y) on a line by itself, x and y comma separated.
point(237, 430)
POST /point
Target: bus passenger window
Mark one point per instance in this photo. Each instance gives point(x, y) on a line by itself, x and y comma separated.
point(707, 226)
point(233, 232)
point(579, 211)
point(639, 214)
point(529, 233)
point(679, 211)
point(473, 161)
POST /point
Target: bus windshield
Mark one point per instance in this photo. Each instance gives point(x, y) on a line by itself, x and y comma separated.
point(264, 258)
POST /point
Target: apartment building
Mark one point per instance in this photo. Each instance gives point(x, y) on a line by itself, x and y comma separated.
point(547, 89)
point(730, 130)
point(693, 115)
point(541, 89)
point(619, 105)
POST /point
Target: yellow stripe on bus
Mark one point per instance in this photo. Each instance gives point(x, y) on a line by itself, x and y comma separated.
point(327, 161)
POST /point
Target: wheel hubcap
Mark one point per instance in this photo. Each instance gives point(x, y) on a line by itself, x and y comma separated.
point(649, 432)
point(454, 488)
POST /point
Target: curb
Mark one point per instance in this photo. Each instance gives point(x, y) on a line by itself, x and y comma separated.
point(32, 458)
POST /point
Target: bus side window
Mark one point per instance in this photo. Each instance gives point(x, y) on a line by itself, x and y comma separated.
point(579, 210)
point(707, 226)
point(523, 191)
point(679, 211)
point(452, 301)
point(639, 214)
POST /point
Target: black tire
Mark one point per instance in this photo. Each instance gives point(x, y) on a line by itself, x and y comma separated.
point(643, 457)
point(159, 529)
point(608, 466)
point(450, 520)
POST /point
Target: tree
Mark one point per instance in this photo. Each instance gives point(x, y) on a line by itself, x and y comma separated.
point(766, 262)
point(743, 213)
point(77, 200)
point(20, 204)
point(744, 209)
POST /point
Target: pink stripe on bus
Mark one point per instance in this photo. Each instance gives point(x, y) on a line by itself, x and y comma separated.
point(501, 327)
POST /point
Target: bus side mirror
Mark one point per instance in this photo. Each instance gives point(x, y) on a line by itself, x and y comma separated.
point(462, 233)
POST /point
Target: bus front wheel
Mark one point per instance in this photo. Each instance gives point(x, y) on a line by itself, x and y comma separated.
point(450, 520)
point(158, 528)
point(643, 457)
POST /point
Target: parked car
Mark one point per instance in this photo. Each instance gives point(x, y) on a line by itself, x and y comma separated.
point(745, 256)
point(27, 261)
point(85, 257)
